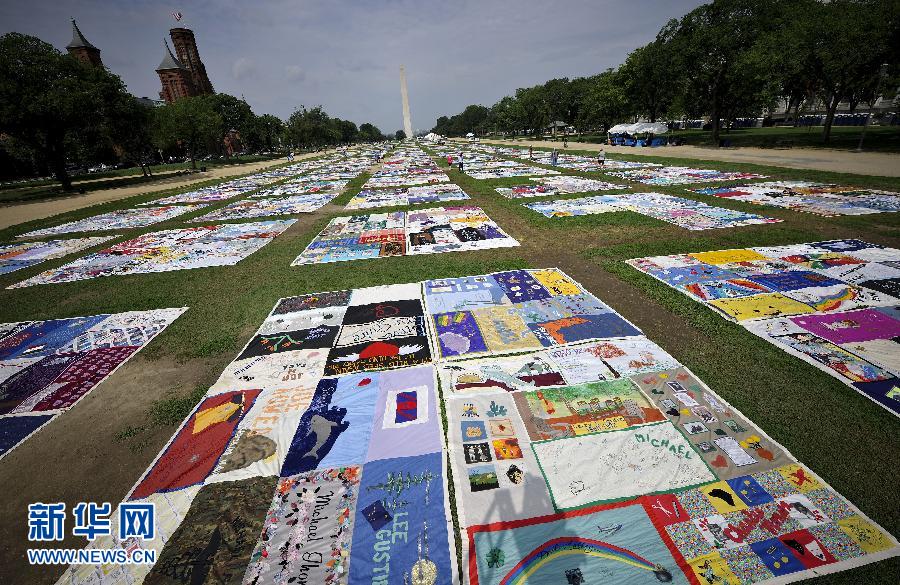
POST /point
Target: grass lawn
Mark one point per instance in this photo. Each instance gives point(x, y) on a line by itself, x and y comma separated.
point(841, 435)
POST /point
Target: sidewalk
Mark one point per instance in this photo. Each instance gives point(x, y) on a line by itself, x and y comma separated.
point(20, 213)
point(818, 159)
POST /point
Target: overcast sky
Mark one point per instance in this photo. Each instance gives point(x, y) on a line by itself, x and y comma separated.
point(346, 55)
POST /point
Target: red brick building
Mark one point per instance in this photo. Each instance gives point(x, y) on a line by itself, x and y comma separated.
point(186, 48)
point(184, 75)
point(81, 49)
point(177, 81)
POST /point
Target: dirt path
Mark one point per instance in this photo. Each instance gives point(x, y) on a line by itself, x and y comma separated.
point(22, 212)
point(818, 159)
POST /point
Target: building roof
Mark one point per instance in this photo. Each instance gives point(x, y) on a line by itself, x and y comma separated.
point(169, 61)
point(78, 40)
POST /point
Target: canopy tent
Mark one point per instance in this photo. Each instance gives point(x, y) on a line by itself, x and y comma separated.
point(432, 137)
point(639, 128)
point(469, 135)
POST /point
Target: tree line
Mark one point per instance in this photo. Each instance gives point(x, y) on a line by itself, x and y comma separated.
point(56, 111)
point(727, 59)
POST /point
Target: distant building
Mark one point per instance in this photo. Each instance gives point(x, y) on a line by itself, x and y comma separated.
point(83, 50)
point(186, 48)
point(184, 75)
point(176, 79)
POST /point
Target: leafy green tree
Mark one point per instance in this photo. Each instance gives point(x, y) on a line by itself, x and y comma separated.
point(442, 126)
point(718, 67)
point(50, 101)
point(370, 133)
point(349, 131)
point(190, 123)
point(311, 128)
point(270, 130)
point(856, 37)
point(534, 108)
point(562, 103)
point(603, 101)
point(399, 135)
point(647, 76)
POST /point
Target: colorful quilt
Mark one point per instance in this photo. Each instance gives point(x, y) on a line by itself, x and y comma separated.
point(426, 231)
point(18, 256)
point(503, 172)
point(686, 213)
point(182, 249)
point(283, 474)
point(614, 461)
point(569, 184)
point(117, 220)
point(253, 208)
point(834, 304)
point(682, 175)
point(304, 187)
point(608, 459)
point(369, 198)
point(524, 191)
point(818, 198)
point(407, 179)
point(48, 366)
point(512, 311)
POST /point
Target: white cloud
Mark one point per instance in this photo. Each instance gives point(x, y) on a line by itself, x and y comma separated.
point(294, 73)
point(243, 68)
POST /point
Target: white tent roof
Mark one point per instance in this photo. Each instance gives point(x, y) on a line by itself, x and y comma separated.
point(639, 128)
point(469, 135)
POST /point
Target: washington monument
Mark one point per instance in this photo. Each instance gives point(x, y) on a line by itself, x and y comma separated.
point(407, 122)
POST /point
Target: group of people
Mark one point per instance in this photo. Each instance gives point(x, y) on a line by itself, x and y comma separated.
point(554, 155)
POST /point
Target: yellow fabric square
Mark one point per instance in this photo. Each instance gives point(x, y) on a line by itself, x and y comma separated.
point(712, 568)
point(722, 497)
point(727, 256)
point(503, 329)
point(556, 282)
point(799, 477)
point(867, 536)
point(757, 306)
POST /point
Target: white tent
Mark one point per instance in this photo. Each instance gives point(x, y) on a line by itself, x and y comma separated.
point(639, 128)
point(469, 135)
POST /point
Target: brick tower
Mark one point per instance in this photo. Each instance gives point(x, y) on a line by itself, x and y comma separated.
point(177, 81)
point(186, 48)
point(82, 50)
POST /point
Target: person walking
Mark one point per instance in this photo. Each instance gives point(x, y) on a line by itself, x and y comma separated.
point(530, 153)
point(601, 157)
point(554, 156)
point(565, 142)
point(460, 162)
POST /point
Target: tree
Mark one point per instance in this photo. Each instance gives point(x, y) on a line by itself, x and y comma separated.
point(562, 103)
point(399, 135)
point(189, 123)
point(311, 128)
point(719, 68)
point(855, 39)
point(236, 116)
point(270, 129)
point(349, 131)
point(370, 133)
point(648, 76)
point(130, 131)
point(603, 101)
point(534, 109)
point(49, 101)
